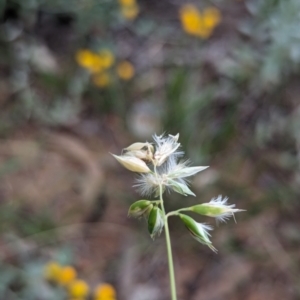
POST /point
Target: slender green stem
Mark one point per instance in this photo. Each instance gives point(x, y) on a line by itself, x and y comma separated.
point(169, 249)
point(176, 212)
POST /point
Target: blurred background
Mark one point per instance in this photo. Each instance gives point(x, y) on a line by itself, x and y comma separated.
point(82, 78)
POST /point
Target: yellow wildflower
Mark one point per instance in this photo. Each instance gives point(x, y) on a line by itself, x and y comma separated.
point(107, 58)
point(66, 275)
point(125, 70)
point(196, 23)
point(190, 18)
point(85, 58)
point(52, 271)
point(130, 12)
point(204, 31)
point(211, 17)
point(127, 2)
point(78, 289)
point(105, 292)
point(98, 65)
point(101, 79)
point(95, 62)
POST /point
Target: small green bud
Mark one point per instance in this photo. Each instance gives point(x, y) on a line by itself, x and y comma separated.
point(140, 208)
point(155, 222)
point(207, 210)
point(198, 231)
point(217, 208)
point(148, 211)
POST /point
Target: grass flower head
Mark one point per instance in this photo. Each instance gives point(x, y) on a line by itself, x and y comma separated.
point(162, 167)
point(160, 164)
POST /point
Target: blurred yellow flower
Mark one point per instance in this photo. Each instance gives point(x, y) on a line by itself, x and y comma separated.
point(66, 275)
point(78, 289)
point(102, 79)
point(85, 58)
point(52, 271)
point(190, 18)
point(95, 62)
point(105, 292)
point(130, 12)
point(127, 2)
point(196, 23)
point(211, 17)
point(125, 70)
point(107, 58)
